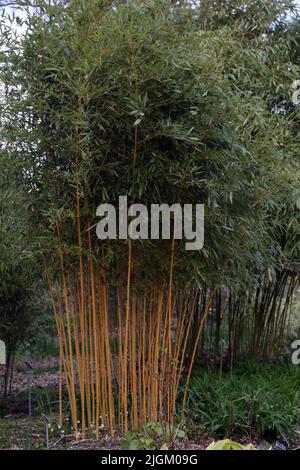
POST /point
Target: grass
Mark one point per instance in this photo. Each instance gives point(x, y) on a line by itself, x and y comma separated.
point(256, 401)
point(22, 434)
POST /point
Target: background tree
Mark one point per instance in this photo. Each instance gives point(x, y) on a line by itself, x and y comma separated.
point(20, 282)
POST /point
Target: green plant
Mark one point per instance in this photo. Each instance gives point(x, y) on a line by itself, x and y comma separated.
point(228, 444)
point(109, 98)
point(21, 287)
point(255, 401)
point(153, 436)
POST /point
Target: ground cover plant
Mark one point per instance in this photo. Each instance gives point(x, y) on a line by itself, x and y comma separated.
point(255, 401)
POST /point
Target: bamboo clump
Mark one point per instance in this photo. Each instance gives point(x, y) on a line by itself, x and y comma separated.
point(139, 380)
point(126, 348)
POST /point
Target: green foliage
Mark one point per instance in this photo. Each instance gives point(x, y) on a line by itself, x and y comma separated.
point(94, 91)
point(153, 436)
point(253, 402)
point(228, 444)
point(21, 289)
point(253, 17)
point(44, 342)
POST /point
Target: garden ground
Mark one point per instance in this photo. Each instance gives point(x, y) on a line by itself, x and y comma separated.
point(206, 419)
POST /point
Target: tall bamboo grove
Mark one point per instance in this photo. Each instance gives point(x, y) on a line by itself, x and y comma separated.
point(134, 98)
